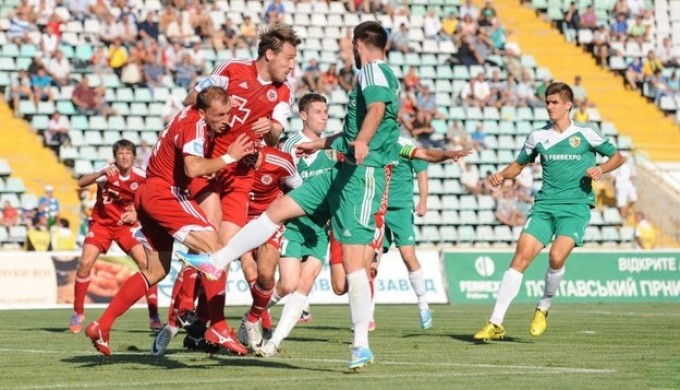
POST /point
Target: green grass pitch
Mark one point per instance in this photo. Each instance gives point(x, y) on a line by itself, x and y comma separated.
point(586, 346)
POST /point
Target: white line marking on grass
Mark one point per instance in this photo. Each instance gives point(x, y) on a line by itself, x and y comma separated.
point(527, 368)
point(632, 314)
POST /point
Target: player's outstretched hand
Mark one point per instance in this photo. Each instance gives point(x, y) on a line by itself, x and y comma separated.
point(360, 151)
point(594, 173)
point(496, 180)
point(456, 155)
point(241, 147)
point(129, 217)
point(110, 169)
point(262, 126)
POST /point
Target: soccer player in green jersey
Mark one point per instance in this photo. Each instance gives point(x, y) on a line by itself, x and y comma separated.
point(562, 206)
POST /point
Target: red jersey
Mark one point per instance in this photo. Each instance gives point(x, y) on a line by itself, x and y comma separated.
point(115, 194)
point(186, 134)
point(276, 169)
point(251, 99)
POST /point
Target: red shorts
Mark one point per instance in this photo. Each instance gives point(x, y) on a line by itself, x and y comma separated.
point(166, 213)
point(101, 236)
point(201, 185)
point(236, 185)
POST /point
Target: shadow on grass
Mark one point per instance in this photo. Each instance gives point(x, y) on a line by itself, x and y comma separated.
point(470, 339)
point(53, 330)
point(324, 327)
point(308, 339)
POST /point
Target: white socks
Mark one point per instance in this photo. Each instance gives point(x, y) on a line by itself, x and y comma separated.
point(251, 236)
point(275, 298)
point(512, 281)
point(418, 283)
point(359, 306)
point(290, 315)
point(553, 278)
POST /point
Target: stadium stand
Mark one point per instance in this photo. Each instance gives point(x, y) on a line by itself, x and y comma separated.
point(101, 91)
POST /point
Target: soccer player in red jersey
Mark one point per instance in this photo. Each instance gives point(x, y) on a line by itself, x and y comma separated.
point(113, 219)
point(273, 169)
point(165, 210)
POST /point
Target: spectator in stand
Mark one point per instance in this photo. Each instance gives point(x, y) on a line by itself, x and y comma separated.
point(42, 86)
point(478, 137)
point(10, 215)
point(542, 87)
point(78, 8)
point(589, 18)
point(50, 40)
point(153, 72)
point(507, 210)
point(118, 56)
point(49, 205)
point(312, 75)
point(100, 61)
point(468, 9)
point(111, 30)
point(645, 234)
point(467, 95)
point(167, 16)
point(133, 75)
point(185, 72)
point(601, 44)
point(100, 9)
point(650, 65)
point(19, 27)
point(361, 5)
point(274, 13)
point(179, 30)
point(432, 26)
point(148, 29)
point(667, 86)
point(498, 36)
point(450, 25)
point(248, 32)
point(25, 8)
point(525, 183)
point(468, 26)
point(399, 40)
point(57, 130)
point(129, 30)
point(328, 81)
point(579, 91)
point(626, 193)
point(572, 22)
point(171, 107)
point(137, 52)
point(411, 80)
point(509, 95)
point(619, 29)
point(636, 7)
point(467, 52)
point(634, 75)
point(421, 128)
point(346, 76)
point(90, 101)
point(581, 114)
point(481, 91)
point(621, 7)
point(60, 69)
point(487, 14)
point(664, 53)
point(201, 22)
point(144, 151)
point(227, 37)
point(173, 55)
point(469, 178)
point(427, 103)
point(525, 91)
point(197, 57)
point(496, 88)
point(21, 89)
point(638, 30)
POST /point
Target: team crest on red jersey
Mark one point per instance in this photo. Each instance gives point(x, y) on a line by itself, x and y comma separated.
point(272, 95)
point(266, 180)
point(134, 186)
point(575, 141)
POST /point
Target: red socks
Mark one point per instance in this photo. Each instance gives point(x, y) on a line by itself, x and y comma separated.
point(260, 302)
point(79, 292)
point(132, 290)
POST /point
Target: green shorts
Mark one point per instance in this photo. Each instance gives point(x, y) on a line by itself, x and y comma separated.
point(313, 196)
point(547, 220)
point(304, 238)
point(354, 199)
point(399, 228)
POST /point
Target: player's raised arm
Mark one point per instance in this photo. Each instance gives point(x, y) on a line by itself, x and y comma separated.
point(195, 166)
point(210, 81)
point(596, 172)
point(89, 179)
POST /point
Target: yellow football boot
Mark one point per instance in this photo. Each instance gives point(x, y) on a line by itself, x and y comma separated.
point(540, 322)
point(490, 332)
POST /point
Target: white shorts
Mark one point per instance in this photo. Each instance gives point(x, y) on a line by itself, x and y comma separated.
point(625, 195)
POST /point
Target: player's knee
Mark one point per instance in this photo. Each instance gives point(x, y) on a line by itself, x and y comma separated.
point(556, 259)
point(339, 287)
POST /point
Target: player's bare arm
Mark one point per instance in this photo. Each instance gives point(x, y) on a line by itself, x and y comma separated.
point(307, 148)
point(195, 166)
point(439, 155)
point(374, 116)
point(612, 163)
point(89, 179)
point(421, 207)
point(510, 172)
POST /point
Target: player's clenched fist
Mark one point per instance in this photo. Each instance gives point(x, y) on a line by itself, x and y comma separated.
point(594, 173)
point(496, 180)
point(360, 151)
point(262, 126)
point(110, 169)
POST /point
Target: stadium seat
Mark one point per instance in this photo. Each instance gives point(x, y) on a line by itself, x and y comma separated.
point(4, 234)
point(448, 234)
point(450, 202)
point(450, 217)
point(466, 234)
point(17, 233)
point(29, 201)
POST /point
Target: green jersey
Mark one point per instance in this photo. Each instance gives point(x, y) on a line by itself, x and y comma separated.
point(401, 183)
point(565, 157)
point(375, 83)
point(314, 164)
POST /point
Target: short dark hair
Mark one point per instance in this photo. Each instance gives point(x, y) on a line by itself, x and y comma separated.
point(306, 100)
point(274, 37)
point(371, 33)
point(124, 144)
point(562, 89)
point(206, 97)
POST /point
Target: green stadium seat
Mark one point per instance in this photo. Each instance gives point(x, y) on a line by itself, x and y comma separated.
point(28, 51)
point(466, 234)
point(154, 123)
point(17, 233)
point(7, 64)
point(444, 72)
point(503, 233)
point(627, 233)
point(593, 234)
point(135, 123)
point(138, 109)
point(486, 217)
point(5, 170)
point(39, 122)
point(124, 95)
point(132, 136)
point(448, 234)
point(450, 202)
point(111, 81)
point(82, 167)
point(93, 138)
point(98, 123)
point(450, 217)
point(110, 137)
point(461, 72)
point(468, 202)
point(15, 185)
point(27, 107)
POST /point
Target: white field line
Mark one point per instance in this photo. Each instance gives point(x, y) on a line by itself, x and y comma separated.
point(631, 313)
